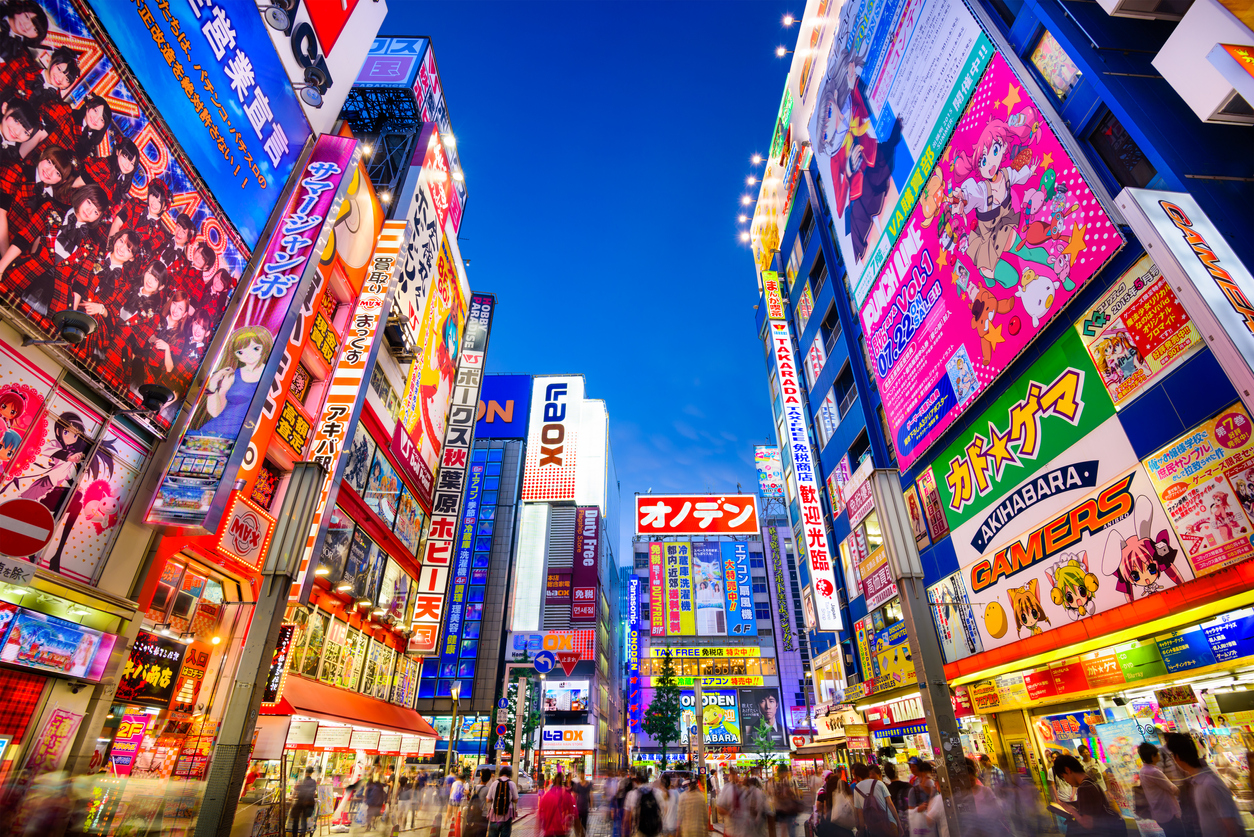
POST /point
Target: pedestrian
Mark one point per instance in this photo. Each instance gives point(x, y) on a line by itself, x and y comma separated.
point(692, 811)
point(919, 801)
point(757, 811)
point(619, 805)
point(582, 789)
point(304, 801)
point(670, 807)
point(376, 797)
point(1206, 804)
point(993, 777)
point(1161, 794)
point(1091, 811)
point(501, 799)
point(877, 816)
point(786, 800)
point(835, 815)
point(475, 817)
point(1092, 766)
point(556, 809)
point(897, 789)
point(643, 810)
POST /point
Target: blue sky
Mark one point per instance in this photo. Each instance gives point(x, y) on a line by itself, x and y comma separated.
point(606, 147)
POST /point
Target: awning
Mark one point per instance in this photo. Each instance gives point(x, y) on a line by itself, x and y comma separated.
point(819, 748)
point(318, 700)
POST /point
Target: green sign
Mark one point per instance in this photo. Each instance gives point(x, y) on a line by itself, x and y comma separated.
point(1141, 661)
point(1049, 408)
point(781, 124)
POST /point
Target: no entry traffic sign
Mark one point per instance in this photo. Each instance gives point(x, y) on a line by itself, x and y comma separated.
point(25, 527)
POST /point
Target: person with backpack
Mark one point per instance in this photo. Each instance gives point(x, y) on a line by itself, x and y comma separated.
point(1093, 814)
point(305, 799)
point(873, 806)
point(501, 801)
point(787, 800)
point(376, 797)
point(643, 810)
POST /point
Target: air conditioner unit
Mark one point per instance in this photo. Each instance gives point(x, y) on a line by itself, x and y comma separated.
point(1184, 63)
point(1147, 9)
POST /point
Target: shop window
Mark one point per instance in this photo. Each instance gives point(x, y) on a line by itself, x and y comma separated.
point(333, 657)
point(1059, 71)
point(807, 228)
point(818, 275)
point(383, 389)
point(794, 261)
point(266, 485)
point(1123, 157)
point(409, 520)
point(759, 587)
point(828, 419)
point(335, 547)
point(757, 563)
point(354, 659)
point(360, 455)
point(315, 640)
point(188, 600)
point(767, 667)
point(383, 489)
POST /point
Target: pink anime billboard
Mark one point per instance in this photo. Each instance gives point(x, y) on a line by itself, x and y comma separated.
point(1005, 233)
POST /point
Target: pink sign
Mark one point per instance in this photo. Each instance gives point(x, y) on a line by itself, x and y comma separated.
point(1004, 234)
point(126, 743)
point(49, 748)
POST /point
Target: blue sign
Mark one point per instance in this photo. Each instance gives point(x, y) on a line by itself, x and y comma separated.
point(1183, 650)
point(223, 93)
point(738, 590)
point(504, 404)
point(392, 62)
point(502, 704)
point(1231, 635)
point(544, 662)
point(500, 744)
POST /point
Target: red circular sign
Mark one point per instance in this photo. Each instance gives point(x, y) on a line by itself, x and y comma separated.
point(25, 527)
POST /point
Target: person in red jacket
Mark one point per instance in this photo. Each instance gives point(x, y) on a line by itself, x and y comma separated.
point(556, 810)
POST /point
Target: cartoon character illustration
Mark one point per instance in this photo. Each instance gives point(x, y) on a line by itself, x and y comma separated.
point(1037, 294)
point(961, 375)
point(1224, 517)
point(1134, 561)
point(1244, 486)
point(12, 405)
point(861, 161)
point(1025, 603)
point(94, 499)
point(1118, 358)
point(985, 306)
point(57, 464)
point(995, 620)
point(233, 384)
point(1073, 586)
point(9, 444)
point(1002, 159)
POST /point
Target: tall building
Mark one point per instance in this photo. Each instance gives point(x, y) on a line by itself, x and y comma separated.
point(1014, 298)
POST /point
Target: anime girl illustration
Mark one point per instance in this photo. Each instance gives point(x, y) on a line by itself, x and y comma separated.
point(93, 500)
point(9, 443)
point(861, 161)
point(1135, 562)
point(1073, 587)
point(961, 375)
point(1118, 358)
point(12, 405)
point(233, 384)
point(1025, 603)
point(1224, 517)
point(985, 306)
point(51, 475)
point(436, 394)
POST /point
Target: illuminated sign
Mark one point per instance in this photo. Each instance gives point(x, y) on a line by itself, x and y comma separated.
point(721, 651)
point(773, 295)
point(770, 471)
point(549, 473)
point(696, 514)
point(277, 673)
point(584, 577)
point(580, 737)
point(245, 532)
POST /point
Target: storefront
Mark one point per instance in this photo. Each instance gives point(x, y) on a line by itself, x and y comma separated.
point(570, 747)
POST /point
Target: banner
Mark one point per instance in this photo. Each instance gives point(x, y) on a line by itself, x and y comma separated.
point(737, 589)
point(202, 470)
point(583, 580)
point(836, 481)
point(782, 613)
point(696, 514)
point(954, 617)
point(897, 78)
point(770, 471)
point(681, 617)
point(657, 591)
point(758, 707)
point(707, 573)
point(47, 752)
point(1137, 331)
point(1005, 233)
point(1206, 481)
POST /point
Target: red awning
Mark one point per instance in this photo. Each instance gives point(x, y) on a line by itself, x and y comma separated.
point(318, 700)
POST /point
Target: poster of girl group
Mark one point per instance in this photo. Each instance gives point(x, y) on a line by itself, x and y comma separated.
point(48, 453)
point(96, 214)
point(1004, 234)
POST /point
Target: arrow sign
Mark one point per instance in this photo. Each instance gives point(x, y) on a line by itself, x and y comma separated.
point(544, 662)
point(568, 659)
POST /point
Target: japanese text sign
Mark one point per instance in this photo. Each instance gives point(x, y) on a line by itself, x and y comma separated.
point(696, 514)
point(657, 591)
point(680, 605)
point(126, 742)
point(48, 750)
point(774, 297)
point(584, 577)
point(149, 675)
point(738, 589)
point(782, 613)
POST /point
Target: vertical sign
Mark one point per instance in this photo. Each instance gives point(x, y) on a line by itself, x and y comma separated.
point(770, 471)
point(707, 584)
point(674, 624)
point(635, 709)
point(461, 571)
point(657, 598)
point(738, 590)
point(583, 583)
point(47, 751)
point(341, 408)
point(273, 689)
point(201, 474)
point(813, 541)
point(451, 479)
point(783, 598)
point(552, 435)
point(687, 604)
point(126, 743)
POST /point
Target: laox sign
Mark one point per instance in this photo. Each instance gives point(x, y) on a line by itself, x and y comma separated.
point(563, 735)
point(553, 433)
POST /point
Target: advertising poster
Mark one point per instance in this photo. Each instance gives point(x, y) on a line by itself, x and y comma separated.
point(878, 585)
point(863, 631)
point(781, 613)
point(234, 394)
point(758, 707)
point(937, 523)
point(566, 696)
point(918, 526)
point(149, 676)
point(1119, 741)
point(1137, 331)
point(680, 606)
point(1206, 480)
point(46, 752)
point(1104, 549)
point(455, 623)
point(125, 748)
point(99, 121)
point(895, 83)
point(696, 514)
point(657, 591)
point(428, 391)
point(583, 580)
point(890, 656)
point(239, 120)
point(1051, 434)
point(720, 718)
point(996, 247)
point(707, 574)
point(954, 617)
point(737, 590)
point(46, 643)
point(836, 485)
point(557, 589)
point(770, 471)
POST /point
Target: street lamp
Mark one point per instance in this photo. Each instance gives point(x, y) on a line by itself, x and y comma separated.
point(452, 732)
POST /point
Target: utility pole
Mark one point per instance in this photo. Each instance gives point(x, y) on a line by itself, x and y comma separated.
point(282, 564)
point(929, 663)
point(699, 701)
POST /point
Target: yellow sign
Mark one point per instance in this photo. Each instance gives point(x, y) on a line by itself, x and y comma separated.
point(774, 297)
point(721, 651)
point(720, 682)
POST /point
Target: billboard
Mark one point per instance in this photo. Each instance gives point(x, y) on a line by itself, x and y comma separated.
point(40, 281)
point(996, 247)
point(503, 407)
point(954, 618)
point(566, 696)
point(696, 514)
point(418, 256)
point(635, 709)
point(707, 575)
point(770, 471)
point(836, 480)
point(761, 707)
point(225, 91)
point(1205, 479)
point(392, 62)
point(583, 580)
point(720, 718)
point(1137, 331)
point(657, 591)
point(203, 468)
point(446, 505)
point(433, 108)
point(681, 617)
point(737, 589)
point(897, 78)
point(782, 613)
point(805, 485)
point(552, 438)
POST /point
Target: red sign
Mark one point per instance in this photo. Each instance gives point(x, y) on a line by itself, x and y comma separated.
point(961, 700)
point(245, 533)
point(1040, 684)
point(696, 514)
point(568, 660)
point(1069, 678)
point(25, 527)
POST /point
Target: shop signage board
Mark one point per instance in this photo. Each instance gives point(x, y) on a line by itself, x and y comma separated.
point(429, 92)
point(557, 589)
point(191, 676)
point(681, 618)
point(954, 618)
point(708, 582)
point(245, 532)
point(126, 742)
point(878, 585)
point(504, 407)
point(635, 711)
point(149, 676)
point(857, 493)
point(552, 438)
point(781, 614)
point(333, 738)
point(582, 642)
point(696, 514)
point(657, 652)
point(657, 591)
point(773, 295)
point(277, 673)
point(301, 735)
point(1137, 331)
point(364, 739)
point(389, 744)
point(914, 510)
point(37, 641)
point(723, 681)
point(584, 576)
point(929, 495)
point(770, 471)
point(1206, 481)
point(952, 309)
point(197, 483)
point(574, 737)
point(835, 485)
point(239, 120)
point(17, 572)
point(1186, 649)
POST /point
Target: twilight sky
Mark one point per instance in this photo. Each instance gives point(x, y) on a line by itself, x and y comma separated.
point(606, 147)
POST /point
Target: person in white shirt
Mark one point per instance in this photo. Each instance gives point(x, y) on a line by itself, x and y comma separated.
point(1160, 792)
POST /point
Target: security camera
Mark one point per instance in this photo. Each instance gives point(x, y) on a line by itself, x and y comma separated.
point(155, 396)
point(72, 328)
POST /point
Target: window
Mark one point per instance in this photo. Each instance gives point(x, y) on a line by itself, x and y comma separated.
point(759, 587)
point(828, 418)
point(866, 358)
point(1123, 157)
point(794, 261)
point(757, 563)
point(815, 358)
point(762, 612)
point(830, 328)
point(846, 392)
point(1060, 72)
point(642, 561)
point(1008, 10)
point(818, 274)
point(807, 228)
